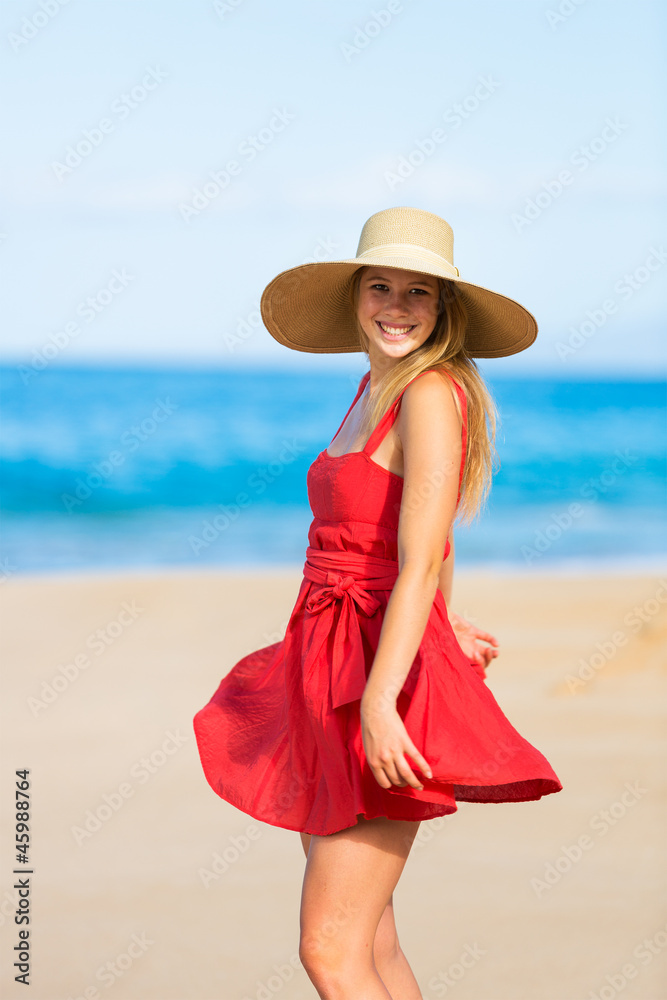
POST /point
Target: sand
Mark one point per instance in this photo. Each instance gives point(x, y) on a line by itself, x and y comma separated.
point(559, 899)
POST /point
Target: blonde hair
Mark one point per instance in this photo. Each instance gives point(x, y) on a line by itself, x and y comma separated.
point(444, 351)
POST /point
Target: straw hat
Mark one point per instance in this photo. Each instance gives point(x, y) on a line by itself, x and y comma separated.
point(308, 307)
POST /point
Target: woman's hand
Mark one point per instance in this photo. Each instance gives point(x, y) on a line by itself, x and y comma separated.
point(386, 741)
point(472, 641)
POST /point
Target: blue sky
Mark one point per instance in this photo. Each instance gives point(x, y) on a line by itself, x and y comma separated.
point(552, 103)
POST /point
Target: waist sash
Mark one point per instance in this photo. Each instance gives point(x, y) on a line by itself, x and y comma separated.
point(343, 580)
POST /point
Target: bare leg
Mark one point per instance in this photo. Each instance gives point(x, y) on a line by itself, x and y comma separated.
point(390, 960)
point(349, 944)
point(392, 965)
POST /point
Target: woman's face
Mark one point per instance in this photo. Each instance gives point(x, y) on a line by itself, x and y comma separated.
point(397, 309)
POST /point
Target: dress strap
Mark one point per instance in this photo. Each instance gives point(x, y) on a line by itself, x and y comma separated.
point(362, 386)
point(390, 416)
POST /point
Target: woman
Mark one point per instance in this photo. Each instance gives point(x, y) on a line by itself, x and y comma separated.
point(372, 714)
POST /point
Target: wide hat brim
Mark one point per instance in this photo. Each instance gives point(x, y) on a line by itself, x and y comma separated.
point(307, 308)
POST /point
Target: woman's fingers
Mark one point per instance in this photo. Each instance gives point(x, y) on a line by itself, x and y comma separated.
point(405, 774)
point(480, 634)
point(473, 631)
point(480, 631)
point(483, 654)
point(397, 776)
point(386, 744)
point(380, 777)
point(419, 760)
point(398, 772)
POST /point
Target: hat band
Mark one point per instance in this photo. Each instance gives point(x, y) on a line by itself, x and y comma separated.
point(409, 250)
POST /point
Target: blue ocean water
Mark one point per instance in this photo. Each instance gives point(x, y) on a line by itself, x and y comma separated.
point(105, 468)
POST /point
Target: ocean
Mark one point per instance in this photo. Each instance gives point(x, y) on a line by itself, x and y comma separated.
point(118, 468)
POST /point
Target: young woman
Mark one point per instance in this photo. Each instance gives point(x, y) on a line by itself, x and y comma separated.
point(373, 714)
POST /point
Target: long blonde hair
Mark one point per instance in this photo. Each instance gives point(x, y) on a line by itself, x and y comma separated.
point(444, 351)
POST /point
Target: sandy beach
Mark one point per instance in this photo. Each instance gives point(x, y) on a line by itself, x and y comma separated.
point(147, 886)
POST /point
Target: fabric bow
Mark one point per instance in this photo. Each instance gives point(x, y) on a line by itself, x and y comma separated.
point(336, 643)
point(337, 586)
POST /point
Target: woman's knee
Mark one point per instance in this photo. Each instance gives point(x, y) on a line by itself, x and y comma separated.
point(328, 948)
point(326, 961)
point(334, 941)
point(386, 946)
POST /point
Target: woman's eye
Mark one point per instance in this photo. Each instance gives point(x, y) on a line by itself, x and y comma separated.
point(379, 287)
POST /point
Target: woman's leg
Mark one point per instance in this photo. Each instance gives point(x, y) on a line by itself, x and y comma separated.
point(393, 966)
point(349, 944)
point(390, 960)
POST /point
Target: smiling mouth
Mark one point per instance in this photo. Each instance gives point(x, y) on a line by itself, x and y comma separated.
point(395, 331)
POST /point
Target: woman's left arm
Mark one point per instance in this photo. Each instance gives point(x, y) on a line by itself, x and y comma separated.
point(480, 647)
point(428, 504)
point(446, 576)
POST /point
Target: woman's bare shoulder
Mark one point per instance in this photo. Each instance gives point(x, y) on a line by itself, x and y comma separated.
point(432, 392)
point(429, 415)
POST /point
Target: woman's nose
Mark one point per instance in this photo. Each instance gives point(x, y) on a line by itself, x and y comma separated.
point(398, 304)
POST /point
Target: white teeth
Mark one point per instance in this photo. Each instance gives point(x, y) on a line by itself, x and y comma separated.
point(398, 330)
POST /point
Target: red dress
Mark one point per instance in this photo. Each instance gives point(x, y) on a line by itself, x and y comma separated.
point(281, 739)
